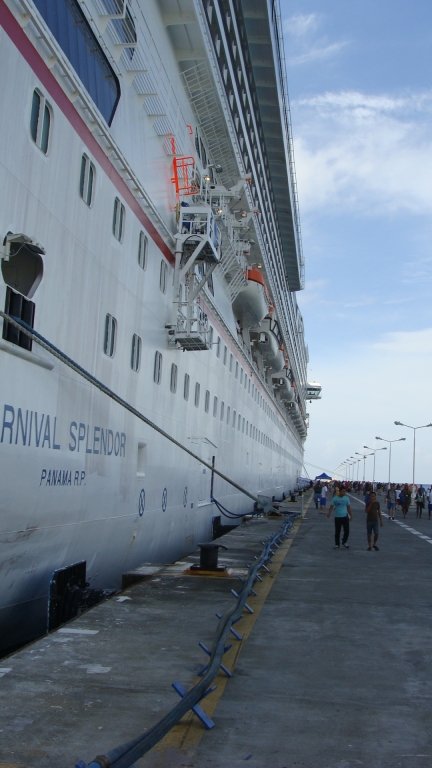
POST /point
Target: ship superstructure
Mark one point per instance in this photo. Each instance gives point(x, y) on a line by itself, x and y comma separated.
point(150, 230)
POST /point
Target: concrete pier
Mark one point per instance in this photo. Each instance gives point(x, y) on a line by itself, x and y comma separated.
point(334, 670)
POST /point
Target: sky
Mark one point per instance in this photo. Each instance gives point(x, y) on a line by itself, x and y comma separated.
point(360, 85)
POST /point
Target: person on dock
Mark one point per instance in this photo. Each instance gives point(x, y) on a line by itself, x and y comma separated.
point(420, 501)
point(429, 499)
point(343, 514)
point(373, 521)
point(405, 499)
point(323, 499)
point(391, 502)
point(317, 494)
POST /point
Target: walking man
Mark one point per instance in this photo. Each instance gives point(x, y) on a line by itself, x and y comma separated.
point(323, 499)
point(373, 521)
point(317, 494)
point(340, 504)
point(419, 499)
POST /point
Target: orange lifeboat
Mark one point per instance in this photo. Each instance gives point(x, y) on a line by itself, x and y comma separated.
point(252, 303)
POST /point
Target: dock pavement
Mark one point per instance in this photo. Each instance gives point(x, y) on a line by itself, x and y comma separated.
point(334, 669)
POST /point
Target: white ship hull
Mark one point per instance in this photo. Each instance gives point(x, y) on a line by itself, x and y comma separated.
point(81, 478)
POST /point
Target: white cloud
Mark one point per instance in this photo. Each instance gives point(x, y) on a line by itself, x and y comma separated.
point(319, 53)
point(301, 24)
point(368, 153)
point(305, 43)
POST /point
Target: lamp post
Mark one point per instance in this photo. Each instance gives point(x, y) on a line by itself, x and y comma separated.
point(399, 424)
point(374, 452)
point(398, 440)
point(364, 462)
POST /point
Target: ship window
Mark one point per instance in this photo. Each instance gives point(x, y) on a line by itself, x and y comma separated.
point(157, 371)
point(245, 381)
point(243, 424)
point(211, 337)
point(234, 419)
point(215, 406)
point(87, 178)
point(136, 352)
point(241, 375)
point(142, 250)
point(73, 33)
point(228, 415)
point(110, 335)
point(119, 215)
point(231, 363)
point(222, 410)
point(163, 276)
point(197, 394)
point(186, 386)
point(239, 422)
point(173, 379)
point(218, 346)
point(236, 369)
point(225, 355)
point(249, 385)
point(23, 309)
point(207, 401)
point(40, 121)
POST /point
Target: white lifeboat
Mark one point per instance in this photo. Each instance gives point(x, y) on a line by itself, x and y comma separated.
point(252, 303)
point(284, 389)
point(269, 346)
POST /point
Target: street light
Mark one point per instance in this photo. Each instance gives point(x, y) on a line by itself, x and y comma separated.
point(398, 440)
point(374, 450)
point(358, 460)
point(399, 424)
point(364, 462)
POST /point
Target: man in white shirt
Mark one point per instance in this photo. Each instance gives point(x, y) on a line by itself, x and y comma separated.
point(323, 499)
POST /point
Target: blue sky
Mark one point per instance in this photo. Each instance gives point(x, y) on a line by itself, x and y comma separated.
point(361, 99)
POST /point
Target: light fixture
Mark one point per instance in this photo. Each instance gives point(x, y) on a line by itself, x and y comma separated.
point(207, 178)
point(219, 210)
point(243, 214)
point(259, 266)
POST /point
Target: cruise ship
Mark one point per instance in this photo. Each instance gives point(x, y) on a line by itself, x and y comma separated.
point(149, 232)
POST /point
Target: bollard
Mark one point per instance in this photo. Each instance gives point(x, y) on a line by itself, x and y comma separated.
point(209, 557)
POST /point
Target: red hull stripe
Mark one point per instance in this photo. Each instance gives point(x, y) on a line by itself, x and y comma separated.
point(37, 64)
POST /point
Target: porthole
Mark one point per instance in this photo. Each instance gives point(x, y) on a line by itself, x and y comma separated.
point(163, 276)
point(136, 352)
point(110, 335)
point(87, 178)
point(119, 215)
point(142, 250)
point(40, 121)
point(173, 379)
point(186, 386)
point(157, 371)
point(197, 394)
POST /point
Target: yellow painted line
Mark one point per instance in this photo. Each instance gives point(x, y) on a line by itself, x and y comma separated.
point(187, 734)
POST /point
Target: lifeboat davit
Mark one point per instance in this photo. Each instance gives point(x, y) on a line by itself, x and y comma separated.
point(252, 303)
point(269, 346)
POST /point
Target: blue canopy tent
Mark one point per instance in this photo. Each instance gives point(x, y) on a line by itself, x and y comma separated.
point(323, 476)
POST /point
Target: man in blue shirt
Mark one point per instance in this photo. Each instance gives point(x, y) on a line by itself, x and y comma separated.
point(340, 504)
